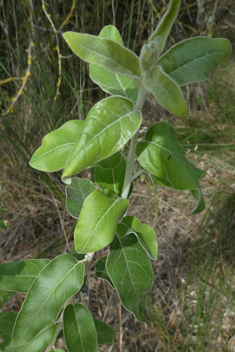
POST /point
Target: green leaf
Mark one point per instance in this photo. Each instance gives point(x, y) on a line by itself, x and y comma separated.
point(194, 59)
point(129, 269)
point(19, 276)
point(112, 83)
point(161, 155)
point(76, 193)
point(57, 282)
point(111, 162)
point(112, 178)
point(167, 93)
point(38, 343)
point(7, 320)
point(4, 297)
point(105, 334)
point(108, 127)
point(78, 256)
point(79, 329)
point(164, 27)
point(2, 210)
point(98, 220)
point(56, 147)
point(105, 53)
point(101, 271)
point(145, 235)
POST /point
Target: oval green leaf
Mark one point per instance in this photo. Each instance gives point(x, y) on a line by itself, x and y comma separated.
point(194, 59)
point(57, 282)
point(76, 193)
point(161, 155)
point(98, 220)
point(145, 235)
point(167, 93)
point(19, 276)
point(56, 147)
point(112, 83)
point(105, 334)
point(79, 329)
point(101, 272)
point(105, 53)
point(108, 126)
point(129, 268)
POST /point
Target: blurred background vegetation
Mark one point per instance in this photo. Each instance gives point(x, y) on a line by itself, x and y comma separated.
point(42, 85)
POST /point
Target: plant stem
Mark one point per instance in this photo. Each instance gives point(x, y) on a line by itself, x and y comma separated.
point(131, 156)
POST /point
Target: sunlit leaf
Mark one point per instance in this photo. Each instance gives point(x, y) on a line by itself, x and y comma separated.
point(105, 53)
point(108, 126)
point(19, 276)
point(57, 282)
point(98, 220)
point(129, 269)
point(56, 147)
point(76, 193)
point(164, 26)
point(146, 236)
point(112, 83)
point(162, 156)
point(38, 343)
point(79, 329)
point(194, 59)
point(167, 93)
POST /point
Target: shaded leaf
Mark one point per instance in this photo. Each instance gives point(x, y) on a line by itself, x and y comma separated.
point(98, 220)
point(77, 255)
point(76, 193)
point(105, 53)
point(2, 225)
point(79, 329)
point(167, 93)
point(162, 156)
point(108, 126)
point(19, 276)
point(111, 178)
point(194, 59)
point(110, 162)
point(105, 334)
point(57, 282)
point(112, 83)
point(101, 271)
point(56, 147)
point(145, 235)
point(4, 297)
point(129, 269)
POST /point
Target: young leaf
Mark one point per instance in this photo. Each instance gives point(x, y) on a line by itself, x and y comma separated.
point(79, 329)
point(19, 276)
point(4, 297)
point(112, 83)
point(112, 178)
point(145, 235)
point(98, 220)
point(76, 193)
point(161, 155)
point(108, 126)
point(38, 342)
point(105, 334)
point(194, 59)
point(164, 27)
point(167, 93)
point(105, 53)
point(101, 271)
point(129, 269)
point(56, 147)
point(56, 283)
